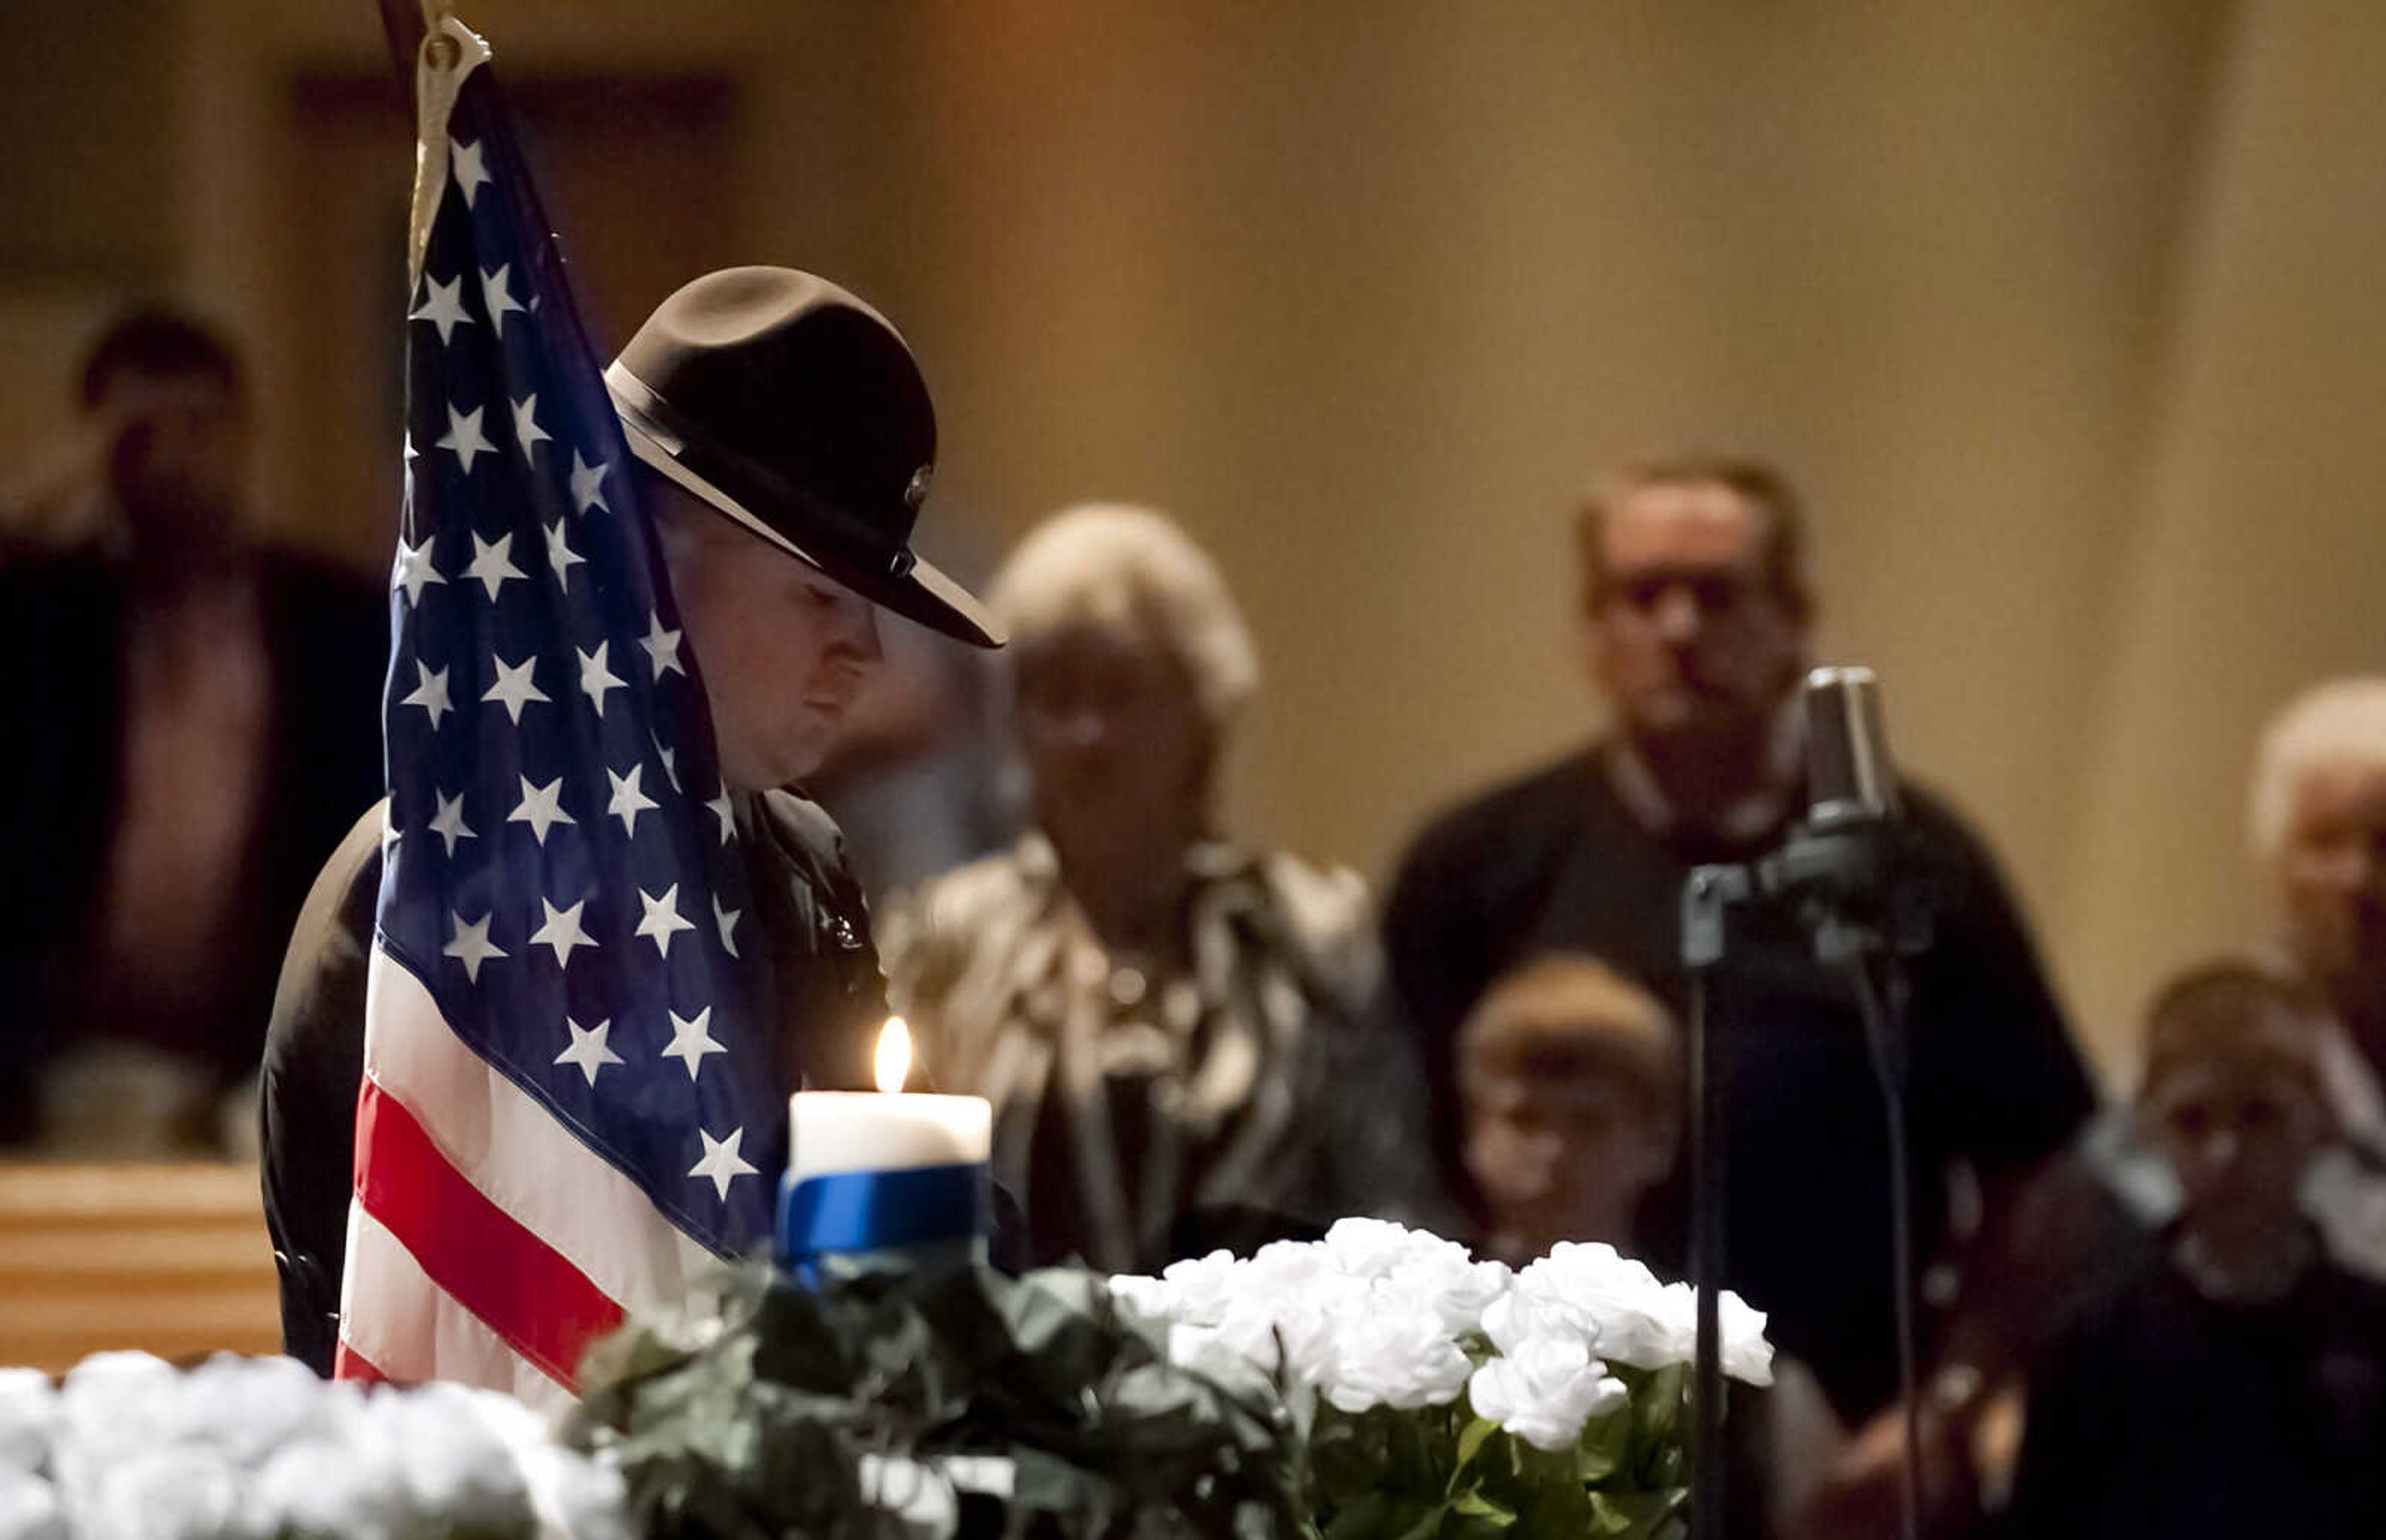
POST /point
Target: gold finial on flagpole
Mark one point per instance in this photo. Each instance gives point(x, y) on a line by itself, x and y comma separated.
point(439, 50)
point(450, 52)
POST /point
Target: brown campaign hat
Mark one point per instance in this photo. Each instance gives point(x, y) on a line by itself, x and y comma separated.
point(796, 409)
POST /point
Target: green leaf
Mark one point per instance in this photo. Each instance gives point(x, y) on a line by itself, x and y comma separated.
point(1476, 1504)
point(1472, 1438)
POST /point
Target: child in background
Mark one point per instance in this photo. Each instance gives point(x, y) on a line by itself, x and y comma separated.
point(1572, 1081)
point(2235, 1384)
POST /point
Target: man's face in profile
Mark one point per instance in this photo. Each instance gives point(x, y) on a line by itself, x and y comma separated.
point(1689, 636)
point(177, 451)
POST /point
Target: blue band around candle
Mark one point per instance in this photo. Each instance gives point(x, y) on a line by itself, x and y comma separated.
point(855, 1211)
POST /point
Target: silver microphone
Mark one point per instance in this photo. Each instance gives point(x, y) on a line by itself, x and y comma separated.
point(1849, 776)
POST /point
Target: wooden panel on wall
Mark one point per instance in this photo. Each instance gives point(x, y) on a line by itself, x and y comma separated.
point(169, 1259)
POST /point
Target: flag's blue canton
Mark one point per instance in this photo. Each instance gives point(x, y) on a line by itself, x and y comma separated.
point(563, 872)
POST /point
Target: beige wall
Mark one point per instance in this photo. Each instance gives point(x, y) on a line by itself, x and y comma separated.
point(2064, 314)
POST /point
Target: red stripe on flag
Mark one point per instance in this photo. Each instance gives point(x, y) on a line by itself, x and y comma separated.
point(545, 1309)
point(349, 1364)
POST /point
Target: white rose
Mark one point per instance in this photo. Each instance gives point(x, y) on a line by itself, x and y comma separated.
point(1545, 1391)
point(1281, 1266)
point(455, 1465)
point(1747, 1355)
point(119, 1401)
point(1452, 1285)
point(1199, 1288)
point(1635, 1322)
point(29, 1508)
point(1374, 1249)
point(1524, 1313)
point(169, 1492)
point(318, 1487)
point(28, 1415)
point(248, 1407)
point(1309, 1323)
point(1395, 1355)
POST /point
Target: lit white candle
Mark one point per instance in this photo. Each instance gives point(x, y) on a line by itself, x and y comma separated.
point(889, 1129)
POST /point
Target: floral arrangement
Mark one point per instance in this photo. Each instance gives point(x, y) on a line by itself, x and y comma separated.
point(954, 1402)
point(1436, 1394)
point(1381, 1382)
point(130, 1447)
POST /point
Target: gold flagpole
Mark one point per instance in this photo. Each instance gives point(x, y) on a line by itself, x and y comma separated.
point(450, 51)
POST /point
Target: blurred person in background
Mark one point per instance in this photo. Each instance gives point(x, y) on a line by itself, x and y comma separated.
point(1171, 1026)
point(192, 716)
point(1572, 1081)
point(2088, 1225)
point(2234, 1382)
point(1696, 619)
point(2316, 824)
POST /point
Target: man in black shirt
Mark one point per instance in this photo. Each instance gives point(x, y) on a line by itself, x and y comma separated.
point(1697, 620)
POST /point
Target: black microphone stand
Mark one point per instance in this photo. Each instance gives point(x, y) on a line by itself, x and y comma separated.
point(1858, 893)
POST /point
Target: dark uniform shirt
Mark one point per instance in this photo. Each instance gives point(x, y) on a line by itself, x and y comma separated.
point(1557, 862)
point(823, 984)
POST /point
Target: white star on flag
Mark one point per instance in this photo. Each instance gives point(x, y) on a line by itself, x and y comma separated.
point(496, 298)
point(430, 692)
point(588, 484)
point(662, 647)
point(561, 929)
point(526, 429)
point(670, 757)
point(692, 1040)
point(718, 806)
point(463, 438)
point(471, 946)
point(515, 687)
point(662, 920)
point(465, 161)
point(443, 306)
point(493, 562)
point(541, 807)
point(595, 678)
point(588, 1053)
point(721, 1162)
point(727, 921)
point(560, 557)
point(628, 801)
point(414, 569)
point(448, 821)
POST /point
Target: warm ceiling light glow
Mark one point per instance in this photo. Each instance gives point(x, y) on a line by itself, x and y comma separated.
point(894, 1055)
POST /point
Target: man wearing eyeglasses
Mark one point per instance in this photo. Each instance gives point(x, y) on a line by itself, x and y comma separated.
point(1696, 620)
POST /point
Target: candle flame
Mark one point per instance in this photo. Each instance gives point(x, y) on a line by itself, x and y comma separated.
point(894, 1055)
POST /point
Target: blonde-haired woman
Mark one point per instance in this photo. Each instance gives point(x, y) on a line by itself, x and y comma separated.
point(1172, 1028)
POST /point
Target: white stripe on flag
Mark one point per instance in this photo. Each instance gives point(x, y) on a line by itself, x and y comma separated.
point(518, 1155)
point(413, 1331)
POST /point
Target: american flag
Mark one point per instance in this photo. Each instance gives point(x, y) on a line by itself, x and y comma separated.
point(568, 1105)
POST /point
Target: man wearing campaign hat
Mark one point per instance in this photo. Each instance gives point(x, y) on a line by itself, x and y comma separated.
point(785, 443)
